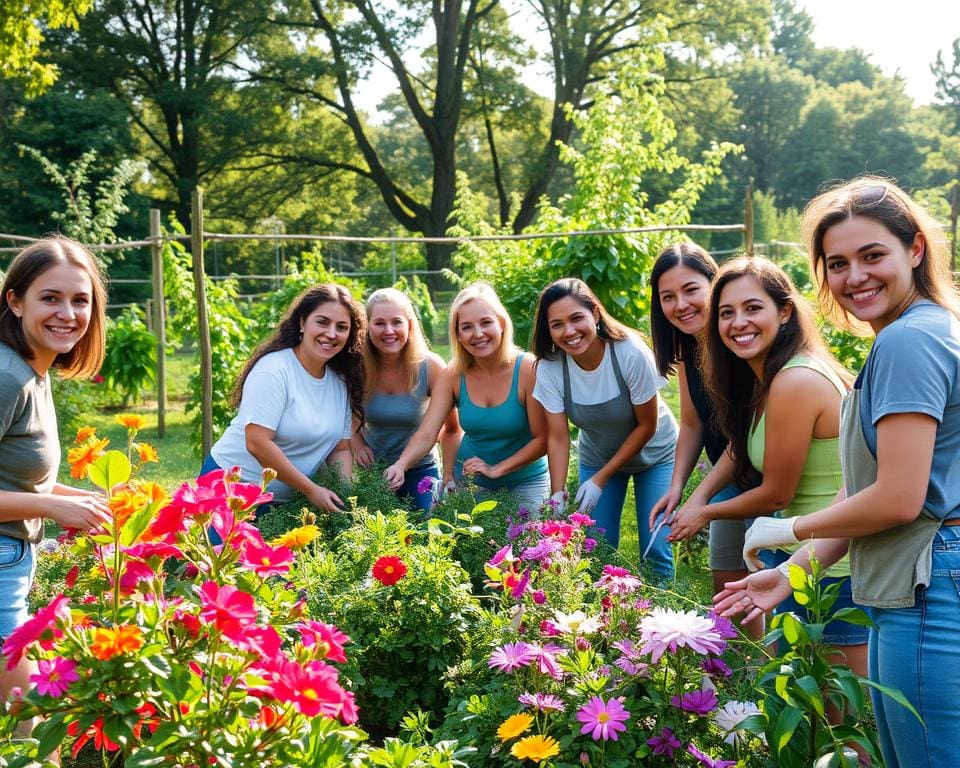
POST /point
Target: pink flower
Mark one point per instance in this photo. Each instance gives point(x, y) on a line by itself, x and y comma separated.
point(708, 762)
point(557, 530)
point(602, 719)
point(618, 581)
point(664, 629)
point(584, 521)
point(266, 560)
point(542, 702)
point(505, 553)
point(264, 641)
point(547, 660)
point(227, 608)
point(35, 628)
point(512, 656)
point(699, 702)
point(54, 676)
point(328, 639)
point(664, 744)
point(146, 550)
point(312, 689)
point(134, 572)
point(516, 592)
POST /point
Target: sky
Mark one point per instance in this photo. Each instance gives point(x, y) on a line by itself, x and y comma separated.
point(898, 35)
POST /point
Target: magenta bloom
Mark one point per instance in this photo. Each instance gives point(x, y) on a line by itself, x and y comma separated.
point(664, 744)
point(227, 608)
point(724, 626)
point(584, 521)
point(506, 553)
point(542, 702)
point(266, 560)
point(714, 666)
point(329, 639)
point(544, 549)
point(708, 762)
point(699, 702)
point(512, 656)
point(426, 485)
point(618, 581)
point(602, 719)
point(54, 676)
point(34, 628)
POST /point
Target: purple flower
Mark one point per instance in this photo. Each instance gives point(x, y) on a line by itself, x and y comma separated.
point(631, 667)
point(699, 702)
point(539, 597)
point(514, 531)
point(589, 545)
point(544, 549)
point(426, 485)
point(521, 586)
point(602, 719)
point(542, 702)
point(715, 666)
point(707, 761)
point(547, 660)
point(512, 656)
point(724, 626)
point(664, 744)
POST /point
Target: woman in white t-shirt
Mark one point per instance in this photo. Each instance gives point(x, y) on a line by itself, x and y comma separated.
point(296, 398)
point(599, 374)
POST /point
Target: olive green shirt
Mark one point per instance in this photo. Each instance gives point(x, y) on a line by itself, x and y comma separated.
point(29, 444)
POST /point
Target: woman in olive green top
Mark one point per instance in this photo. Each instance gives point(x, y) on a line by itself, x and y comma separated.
point(51, 316)
point(778, 393)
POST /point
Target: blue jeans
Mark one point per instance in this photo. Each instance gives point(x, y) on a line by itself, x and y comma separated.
point(209, 465)
point(412, 477)
point(17, 565)
point(916, 651)
point(648, 487)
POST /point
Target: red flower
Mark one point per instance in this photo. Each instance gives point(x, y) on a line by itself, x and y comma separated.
point(227, 608)
point(266, 560)
point(312, 689)
point(389, 569)
point(35, 628)
point(100, 740)
point(264, 641)
point(328, 638)
point(71, 578)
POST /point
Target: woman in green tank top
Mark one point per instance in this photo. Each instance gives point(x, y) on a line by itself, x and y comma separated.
point(777, 392)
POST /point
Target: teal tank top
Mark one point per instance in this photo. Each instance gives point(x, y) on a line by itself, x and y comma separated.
point(496, 433)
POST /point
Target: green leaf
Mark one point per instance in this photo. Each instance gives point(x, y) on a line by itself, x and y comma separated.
point(109, 470)
point(50, 734)
point(484, 506)
point(853, 616)
point(812, 693)
point(135, 525)
point(787, 723)
point(894, 694)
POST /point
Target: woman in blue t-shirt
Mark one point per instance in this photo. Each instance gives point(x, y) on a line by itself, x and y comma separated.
point(490, 382)
point(882, 262)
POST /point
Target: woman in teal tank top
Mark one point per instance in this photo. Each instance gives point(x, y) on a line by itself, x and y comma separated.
point(777, 392)
point(490, 382)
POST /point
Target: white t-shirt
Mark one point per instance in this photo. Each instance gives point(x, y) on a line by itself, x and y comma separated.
point(637, 365)
point(310, 416)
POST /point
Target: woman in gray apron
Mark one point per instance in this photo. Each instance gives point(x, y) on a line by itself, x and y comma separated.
point(600, 375)
point(883, 262)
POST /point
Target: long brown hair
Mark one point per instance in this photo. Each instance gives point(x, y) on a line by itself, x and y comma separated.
point(733, 387)
point(883, 201)
point(85, 358)
point(348, 362)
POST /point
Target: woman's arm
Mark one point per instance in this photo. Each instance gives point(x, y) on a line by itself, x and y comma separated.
point(84, 511)
point(558, 450)
point(441, 403)
point(260, 444)
point(341, 459)
point(450, 433)
point(361, 451)
point(537, 421)
point(796, 400)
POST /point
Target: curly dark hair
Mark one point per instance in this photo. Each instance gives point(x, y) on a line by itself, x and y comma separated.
point(347, 363)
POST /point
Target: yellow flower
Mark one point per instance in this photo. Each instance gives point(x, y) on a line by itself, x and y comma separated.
point(82, 457)
point(514, 725)
point(536, 748)
point(84, 434)
point(297, 538)
point(124, 503)
point(112, 641)
point(132, 421)
point(147, 453)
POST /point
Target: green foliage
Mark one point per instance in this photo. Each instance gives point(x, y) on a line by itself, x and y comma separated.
point(799, 685)
point(74, 399)
point(130, 363)
point(419, 296)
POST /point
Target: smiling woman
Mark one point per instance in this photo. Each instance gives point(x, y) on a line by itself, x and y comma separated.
point(296, 398)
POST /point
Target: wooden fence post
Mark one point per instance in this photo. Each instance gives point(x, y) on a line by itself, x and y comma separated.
point(159, 319)
point(203, 324)
point(748, 220)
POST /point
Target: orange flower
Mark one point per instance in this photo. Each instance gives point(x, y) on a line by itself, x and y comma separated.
point(147, 453)
point(82, 457)
point(155, 493)
point(132, 421)
point(124, 503)
point(84, 434)
point(113, 641)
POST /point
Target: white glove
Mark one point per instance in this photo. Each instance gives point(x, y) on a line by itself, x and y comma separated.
point(559, 500)
point(588, 494)
point(767, 533)
point(448, 487)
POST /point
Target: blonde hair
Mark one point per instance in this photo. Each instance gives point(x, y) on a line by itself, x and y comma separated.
point(883, 201)
point(480, 291)
point(414, 351)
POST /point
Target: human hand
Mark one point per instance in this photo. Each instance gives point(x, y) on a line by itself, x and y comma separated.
point(687, 521)
point(86, 512)
point(754, 595)
point(666, 504)
point(449, 486)
point(559, 501)
point(394, 475)
point(767, 533)
point(588, 494)
point(324, 498)
point(477, 466)
point(362, 453)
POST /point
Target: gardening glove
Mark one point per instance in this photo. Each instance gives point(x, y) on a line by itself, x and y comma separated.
point(588, 494)
point(448, 487)
point(767, 533)
point(559, 501)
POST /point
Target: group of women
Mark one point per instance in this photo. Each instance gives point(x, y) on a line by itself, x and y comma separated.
point(803, 457)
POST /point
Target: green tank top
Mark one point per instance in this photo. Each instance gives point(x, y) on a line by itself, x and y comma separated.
point(822, 476)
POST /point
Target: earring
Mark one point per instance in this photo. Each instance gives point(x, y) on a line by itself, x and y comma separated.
point(553, 347)
point(300, 338)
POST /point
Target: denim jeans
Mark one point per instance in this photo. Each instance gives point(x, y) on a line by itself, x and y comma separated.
point(17, 564)
point(209, 465)
point(916, 651)
point(411, 479)
point(648, 487)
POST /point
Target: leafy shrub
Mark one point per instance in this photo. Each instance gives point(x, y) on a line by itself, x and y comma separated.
point(419, 295)
point(130, 363)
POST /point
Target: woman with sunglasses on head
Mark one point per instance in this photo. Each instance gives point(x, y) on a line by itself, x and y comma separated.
point(882, 262)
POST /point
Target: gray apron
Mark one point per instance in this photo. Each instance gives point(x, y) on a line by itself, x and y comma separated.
point(885, 567)
point(605, 426)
